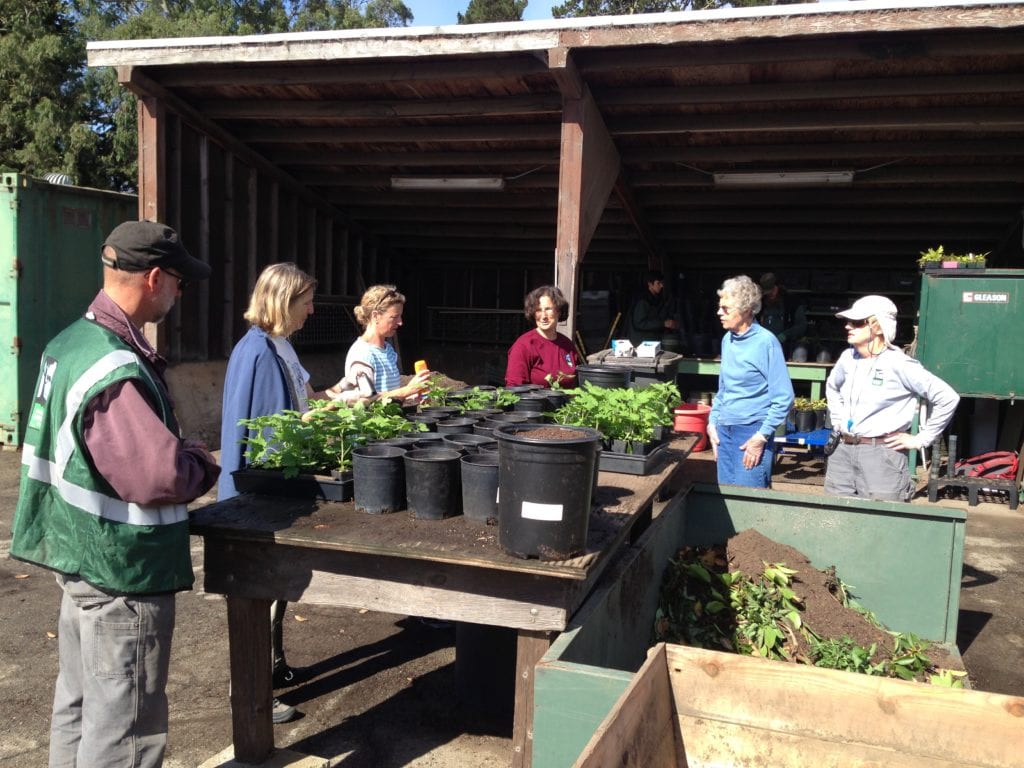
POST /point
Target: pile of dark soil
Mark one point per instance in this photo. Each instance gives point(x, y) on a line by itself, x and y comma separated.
point(819, 593)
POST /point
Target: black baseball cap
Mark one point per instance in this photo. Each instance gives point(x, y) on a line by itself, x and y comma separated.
point(142, 245)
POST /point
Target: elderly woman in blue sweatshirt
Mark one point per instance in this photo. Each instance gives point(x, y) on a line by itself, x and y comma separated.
point(754, 389)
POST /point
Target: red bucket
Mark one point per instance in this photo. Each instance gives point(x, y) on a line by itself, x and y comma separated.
point(692, 417)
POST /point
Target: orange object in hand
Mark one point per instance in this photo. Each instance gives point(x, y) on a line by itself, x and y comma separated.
point(420, 366)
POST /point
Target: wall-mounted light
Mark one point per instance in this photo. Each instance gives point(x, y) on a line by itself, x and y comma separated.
point(448, 182)
point(784, 179)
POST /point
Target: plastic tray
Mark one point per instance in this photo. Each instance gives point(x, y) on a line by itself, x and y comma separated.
point(272, 482)
point(630, 463)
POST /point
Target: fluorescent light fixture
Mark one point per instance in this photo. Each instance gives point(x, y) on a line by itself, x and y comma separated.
point(784, 179)
point(448, 182)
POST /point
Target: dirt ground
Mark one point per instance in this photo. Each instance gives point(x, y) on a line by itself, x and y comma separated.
point(382, 691)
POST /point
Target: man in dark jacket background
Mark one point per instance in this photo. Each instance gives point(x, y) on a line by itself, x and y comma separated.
point(652, 313)
point(781, 313)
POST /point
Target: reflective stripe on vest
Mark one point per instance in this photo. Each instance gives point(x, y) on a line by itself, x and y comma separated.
point(52, 473)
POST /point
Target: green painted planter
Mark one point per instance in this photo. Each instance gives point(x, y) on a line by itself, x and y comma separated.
point(904, 561)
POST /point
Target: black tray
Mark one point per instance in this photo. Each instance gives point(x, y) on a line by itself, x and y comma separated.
point(631, 463)
point(272, 482)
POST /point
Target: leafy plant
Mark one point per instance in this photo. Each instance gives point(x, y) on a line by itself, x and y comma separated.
point(845, 655)
point(322, 439)
point(948, 678)
point(704, 605)
point(802, 404)
point(555, 380)
point(479, 398)
point(630, 415)
point(435, 393)
point(820, 404)
point(939, 253)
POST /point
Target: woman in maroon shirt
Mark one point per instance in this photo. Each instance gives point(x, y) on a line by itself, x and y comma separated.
point(542, 355)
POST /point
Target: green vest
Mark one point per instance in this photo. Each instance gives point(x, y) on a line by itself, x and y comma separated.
point(68, 517)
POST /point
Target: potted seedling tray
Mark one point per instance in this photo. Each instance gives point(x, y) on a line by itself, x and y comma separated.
point(272, 482)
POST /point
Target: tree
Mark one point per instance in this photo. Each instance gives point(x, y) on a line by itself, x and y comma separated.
point(41, 54)
point(484, 11)
point(58, 115)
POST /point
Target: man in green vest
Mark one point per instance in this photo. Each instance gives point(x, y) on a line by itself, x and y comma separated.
point(105, 480)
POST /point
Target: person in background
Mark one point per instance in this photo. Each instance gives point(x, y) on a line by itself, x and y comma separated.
point(542, 355)
point(651, 314)
point(264, 376)
point(754, 390)
point(872, 395)
point(372, 357)
point(781, 314)
point(105, 480)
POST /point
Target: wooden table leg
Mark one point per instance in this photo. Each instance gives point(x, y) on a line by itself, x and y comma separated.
point(530, 647)
point(252, 729)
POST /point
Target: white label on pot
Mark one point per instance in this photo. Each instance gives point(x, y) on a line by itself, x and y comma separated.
point(534, 511)
point(497, 495)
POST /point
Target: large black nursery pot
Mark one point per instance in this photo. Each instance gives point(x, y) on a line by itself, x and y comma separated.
point(378, 478)
point(546, 481)
point(480, 487)
point(433, 483)
point(607, 376)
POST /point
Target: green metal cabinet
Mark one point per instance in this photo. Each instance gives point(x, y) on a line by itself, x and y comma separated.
point(50, 239)
point(970, 329)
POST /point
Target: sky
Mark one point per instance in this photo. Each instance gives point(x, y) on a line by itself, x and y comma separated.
point(431, 13)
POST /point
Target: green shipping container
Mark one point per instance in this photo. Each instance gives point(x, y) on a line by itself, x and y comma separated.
point(970, 326)
point(50, 239)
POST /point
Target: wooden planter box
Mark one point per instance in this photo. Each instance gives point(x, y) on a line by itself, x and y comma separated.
point(691, 707)
point(911, 588)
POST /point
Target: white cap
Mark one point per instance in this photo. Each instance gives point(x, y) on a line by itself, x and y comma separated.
point(878, 307)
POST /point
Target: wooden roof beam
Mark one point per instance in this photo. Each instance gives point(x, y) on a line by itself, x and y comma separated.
point(385, 109)
point(391, 134)
point(348, 72)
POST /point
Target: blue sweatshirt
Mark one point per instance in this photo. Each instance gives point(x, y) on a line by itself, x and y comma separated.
point(754, 385)
point(255, 385)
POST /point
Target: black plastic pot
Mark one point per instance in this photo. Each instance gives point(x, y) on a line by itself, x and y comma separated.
point(433, 483)
point(455, 425)
point(468, 443)
point(439, 412)
point(820, 418)
point(480, 487)
point(546, 480)
point(405, 443)
point(481, 413)
point(804, 420)
point(430, 440)
point(607, 376)
point(378, 477)
point(533, 402)
point(556, 397)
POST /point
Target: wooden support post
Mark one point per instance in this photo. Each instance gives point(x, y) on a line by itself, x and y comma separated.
point(589, 164)
point(530, 647)
point(252, 727)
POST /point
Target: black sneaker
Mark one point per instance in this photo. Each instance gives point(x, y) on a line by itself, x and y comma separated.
point(282, 713)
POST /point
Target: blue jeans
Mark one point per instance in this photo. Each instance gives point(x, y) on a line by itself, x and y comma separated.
point(110, 701)
point(730, 457)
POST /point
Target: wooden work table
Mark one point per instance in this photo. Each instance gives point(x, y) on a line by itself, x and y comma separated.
point(260, 548)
